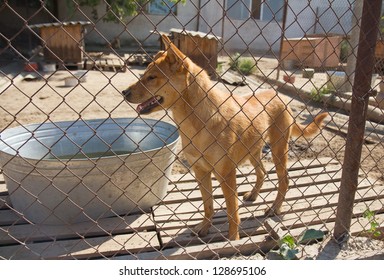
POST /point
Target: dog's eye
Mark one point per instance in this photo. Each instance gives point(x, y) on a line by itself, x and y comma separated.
point(150, 78)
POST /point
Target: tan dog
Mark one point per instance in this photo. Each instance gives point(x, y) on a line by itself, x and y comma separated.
point(219, 130)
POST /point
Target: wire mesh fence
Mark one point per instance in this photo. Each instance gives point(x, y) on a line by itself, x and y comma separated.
point(162, 129)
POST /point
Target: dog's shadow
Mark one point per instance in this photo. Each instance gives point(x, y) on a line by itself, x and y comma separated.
point(250, 226)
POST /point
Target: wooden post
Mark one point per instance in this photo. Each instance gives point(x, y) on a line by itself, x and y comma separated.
point(360, 98)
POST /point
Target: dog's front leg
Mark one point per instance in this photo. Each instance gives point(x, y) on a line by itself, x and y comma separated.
point(205, 185)
point(228, 185)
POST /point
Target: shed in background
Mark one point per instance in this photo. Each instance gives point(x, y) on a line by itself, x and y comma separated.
point(314, 51)
point(200, 47)
point(63, 42)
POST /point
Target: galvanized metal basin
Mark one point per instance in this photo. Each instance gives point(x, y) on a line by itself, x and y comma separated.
point(68, 172)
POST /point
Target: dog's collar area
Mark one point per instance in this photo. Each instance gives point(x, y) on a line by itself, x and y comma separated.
point(147, 106)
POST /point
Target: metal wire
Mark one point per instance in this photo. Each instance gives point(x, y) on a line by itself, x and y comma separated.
point(291, 48)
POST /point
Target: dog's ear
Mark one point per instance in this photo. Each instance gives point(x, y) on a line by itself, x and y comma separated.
point(166, 40)
point(174, 56)
point(159, 54)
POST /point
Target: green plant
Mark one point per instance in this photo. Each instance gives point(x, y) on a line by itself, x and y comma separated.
point(234, 61)
point(381, 25)
point(317, 94)
point(374, 225)
point(288, 246)
point(116, 10)
point(345, 48)
point(219, 67)
point(244, 66)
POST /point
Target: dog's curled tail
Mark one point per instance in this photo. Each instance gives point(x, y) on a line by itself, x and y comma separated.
point(307, 131)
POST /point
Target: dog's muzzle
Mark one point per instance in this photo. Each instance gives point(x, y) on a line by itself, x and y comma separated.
point(126, 92)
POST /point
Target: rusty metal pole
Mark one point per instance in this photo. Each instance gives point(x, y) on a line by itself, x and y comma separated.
point(285, 11)
point(360, 95)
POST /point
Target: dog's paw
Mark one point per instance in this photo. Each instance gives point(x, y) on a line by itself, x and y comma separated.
point(249, 196)
point(270, 212)
point(201, 229)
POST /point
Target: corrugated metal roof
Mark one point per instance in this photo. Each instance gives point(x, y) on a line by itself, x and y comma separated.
point(57, 24)
point(195, 33)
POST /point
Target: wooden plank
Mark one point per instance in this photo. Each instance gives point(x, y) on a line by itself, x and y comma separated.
point(96, 247)
point(255, 211)
point(114, 225)
point(323, 219)
point(248, 175)
point(301, 187)
point(274, 229)
point(365, 193)
point(4, 202)
point(118, 65)
point(106, 64)
point(3, 187)
point(137, 59)
point(10, 217)
point(339, 125)
point(295, 193)
point(187, 210)
point(183, 236)
point(193, 193)
point(326, 214)
point(110, 65)
point(246, 246)
point(174, 232)
point(246, 170)
point(100, 64)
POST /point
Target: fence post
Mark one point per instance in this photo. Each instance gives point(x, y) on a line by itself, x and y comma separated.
point(285, 11)
point(360, 97)
point(353, 44)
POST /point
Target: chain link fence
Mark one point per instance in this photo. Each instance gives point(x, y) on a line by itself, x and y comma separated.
point(88, 174)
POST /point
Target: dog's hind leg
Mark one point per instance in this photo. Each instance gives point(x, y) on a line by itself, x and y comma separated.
point(227, 179)
point(260, 174)
point(279, 150)
point(204, 180)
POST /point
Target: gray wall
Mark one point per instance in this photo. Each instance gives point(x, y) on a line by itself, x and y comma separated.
point(134, 30)
point(252, 35)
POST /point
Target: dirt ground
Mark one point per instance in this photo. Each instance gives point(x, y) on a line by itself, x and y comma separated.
point(48, 99)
